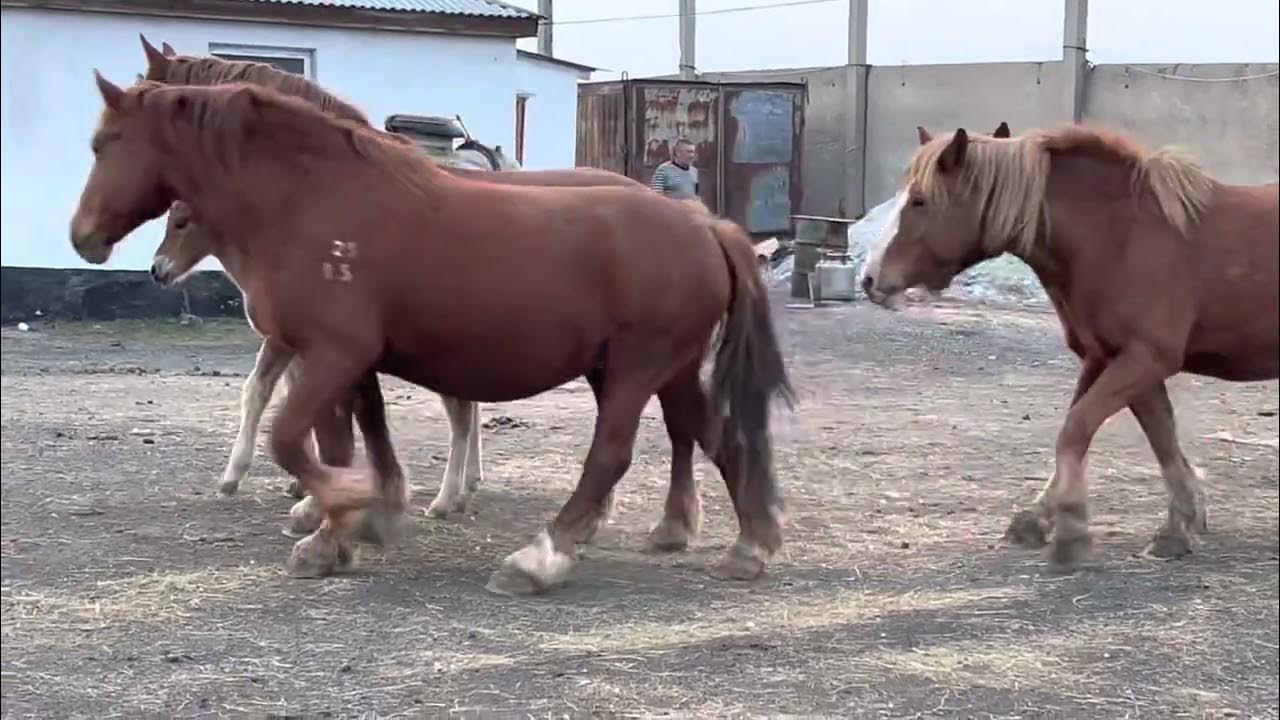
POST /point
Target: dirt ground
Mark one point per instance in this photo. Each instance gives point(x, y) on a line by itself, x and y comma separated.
point(131, 589)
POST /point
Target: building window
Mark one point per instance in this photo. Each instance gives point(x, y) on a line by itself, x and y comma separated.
point(522, 100)
point(295, 60)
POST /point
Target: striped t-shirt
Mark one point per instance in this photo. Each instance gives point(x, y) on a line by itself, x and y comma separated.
point(674, 181)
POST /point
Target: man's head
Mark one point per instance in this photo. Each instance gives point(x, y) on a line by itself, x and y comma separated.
point(682, 153)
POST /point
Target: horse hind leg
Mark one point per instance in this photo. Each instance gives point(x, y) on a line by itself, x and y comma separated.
point(595, 379)
point(1187, 517)
point(547, 561)
point(269, 365)
point(684, 411)
point(453, 494)
point(381, 522)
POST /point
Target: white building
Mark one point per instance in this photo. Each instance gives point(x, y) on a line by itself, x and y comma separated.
point(423, 57)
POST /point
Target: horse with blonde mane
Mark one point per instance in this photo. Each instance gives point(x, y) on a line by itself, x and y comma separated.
point(186, 244)
point(328, 221)
point(1153, 267)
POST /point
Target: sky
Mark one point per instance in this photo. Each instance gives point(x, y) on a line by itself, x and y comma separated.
point(912, 32)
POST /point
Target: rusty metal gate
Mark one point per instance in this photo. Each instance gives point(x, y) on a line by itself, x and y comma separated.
point(748, 138)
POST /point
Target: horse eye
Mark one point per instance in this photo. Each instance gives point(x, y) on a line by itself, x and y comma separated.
point(917, 202)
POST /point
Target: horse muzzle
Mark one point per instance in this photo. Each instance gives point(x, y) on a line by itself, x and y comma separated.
point(879, 294)
point(163, 271)
point(93, 247)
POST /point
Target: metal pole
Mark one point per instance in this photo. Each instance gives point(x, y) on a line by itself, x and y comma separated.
point(688, 40)
point(858, 32)
point(853, 202)
point(1075, 52)
point(544, 28)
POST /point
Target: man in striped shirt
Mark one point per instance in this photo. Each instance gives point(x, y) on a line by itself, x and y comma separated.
point(677, 178)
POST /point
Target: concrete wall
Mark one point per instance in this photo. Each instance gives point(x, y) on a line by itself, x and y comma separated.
point(823, 155)
point(944, 97)
point(48, 103)
point(550, 114)
point(1232, 128)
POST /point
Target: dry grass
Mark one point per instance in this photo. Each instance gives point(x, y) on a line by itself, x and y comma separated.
point(157, 597)
point(722, 620)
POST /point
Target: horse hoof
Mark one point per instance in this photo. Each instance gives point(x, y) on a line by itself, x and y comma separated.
point(304, 519)
point(743, 561)
point(1066, 554)
point(531, 570)
point(513, 581)
point(1027, 530)
point(441, 507)
point(1168, 546)
point(316, 556)
point(294, 489)
point(228, 486)
point(668, 536)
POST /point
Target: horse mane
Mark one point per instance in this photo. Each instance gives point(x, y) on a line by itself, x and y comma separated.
point(191, 70)
point(1012, 174)
point(238, 120)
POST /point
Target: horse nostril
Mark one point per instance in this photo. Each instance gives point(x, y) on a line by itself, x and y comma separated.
point(155, 273)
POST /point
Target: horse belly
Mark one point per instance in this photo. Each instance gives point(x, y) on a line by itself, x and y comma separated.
point(496, 367)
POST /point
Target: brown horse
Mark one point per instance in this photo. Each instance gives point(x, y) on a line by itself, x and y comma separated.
point(185, 245)
point(360, 255)
point(1153, 267)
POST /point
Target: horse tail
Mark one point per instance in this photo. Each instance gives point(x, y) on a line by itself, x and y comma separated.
point(748, 371)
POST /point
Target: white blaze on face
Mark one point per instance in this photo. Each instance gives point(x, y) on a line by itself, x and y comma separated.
point(871, 268)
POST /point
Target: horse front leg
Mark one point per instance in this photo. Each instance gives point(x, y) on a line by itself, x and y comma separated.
point(1186, 518)
point(453, 494)
point(341, 495)
point(1030, 527)
point(269, 365)
point(1124, 379)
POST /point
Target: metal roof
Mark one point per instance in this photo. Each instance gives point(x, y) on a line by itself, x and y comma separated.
point(473, 8)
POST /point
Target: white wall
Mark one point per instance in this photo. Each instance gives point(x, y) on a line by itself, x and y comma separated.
point(49, 106)
point(550, 115)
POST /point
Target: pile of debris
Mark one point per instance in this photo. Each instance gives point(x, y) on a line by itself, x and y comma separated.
point(1002, 279)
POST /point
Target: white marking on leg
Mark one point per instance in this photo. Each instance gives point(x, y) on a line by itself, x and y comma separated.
point(254, 396)
point(475, 466)
point(452, 495)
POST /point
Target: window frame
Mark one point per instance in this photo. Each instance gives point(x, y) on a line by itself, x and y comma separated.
point(257, 53)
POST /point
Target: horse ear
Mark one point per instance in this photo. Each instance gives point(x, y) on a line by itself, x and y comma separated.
point(925, 137)
point(111, 95)
point(167, 49)
point(1002, 131)
point(953, 156)
point(156, 61)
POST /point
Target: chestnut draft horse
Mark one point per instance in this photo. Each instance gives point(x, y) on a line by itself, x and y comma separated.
point(1153, 267)
point(602, 281)
point(185, 245)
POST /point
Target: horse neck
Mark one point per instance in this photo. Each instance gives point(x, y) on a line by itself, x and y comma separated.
point(214, 187)
point(1082, 196)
